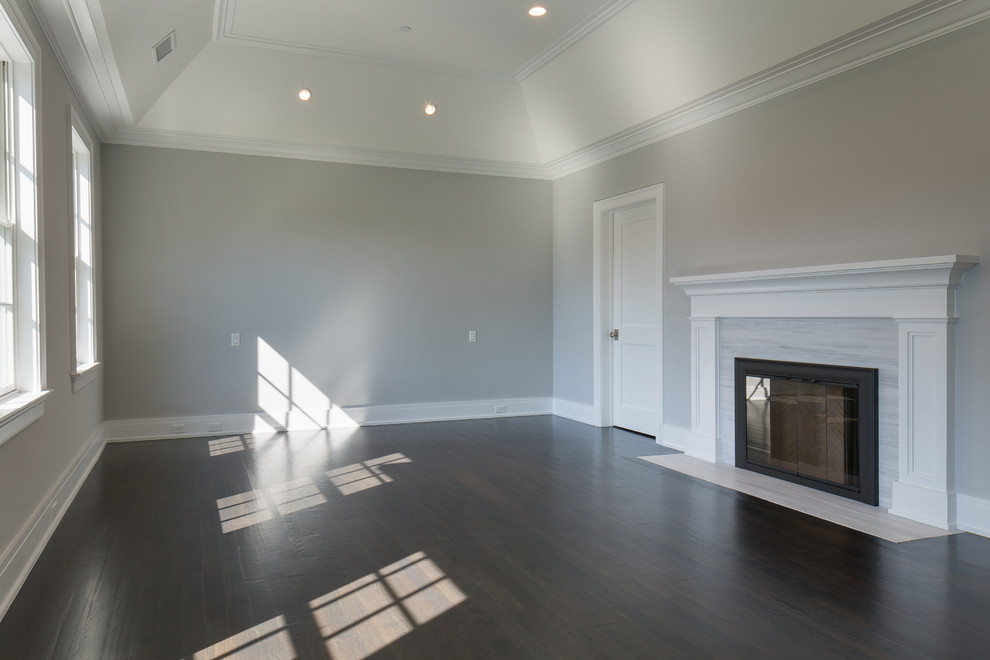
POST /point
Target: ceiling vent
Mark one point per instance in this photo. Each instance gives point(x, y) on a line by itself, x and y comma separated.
point(164, 47)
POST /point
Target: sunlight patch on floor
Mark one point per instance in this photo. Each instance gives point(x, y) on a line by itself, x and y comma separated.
point(229, 445)
point(269, 640)
point(257, 506)
point(372, 612)
point(364, 475)
point(295, 496)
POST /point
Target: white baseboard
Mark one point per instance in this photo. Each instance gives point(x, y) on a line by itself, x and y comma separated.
point(691, 443)
point(450, 410)
point(19, 557)
point(973, 514)
point(127, 430)
point(579, 412)
point(925, 505)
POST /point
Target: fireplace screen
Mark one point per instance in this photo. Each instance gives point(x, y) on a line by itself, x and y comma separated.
point(812, 424)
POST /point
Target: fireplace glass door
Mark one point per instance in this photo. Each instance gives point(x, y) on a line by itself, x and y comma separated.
point(805, 423)
point(807, 429)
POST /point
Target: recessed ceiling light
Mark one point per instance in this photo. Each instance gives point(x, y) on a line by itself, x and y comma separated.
point(305, 94)
point(405, 28)
point(430, 109)
point(537, 11)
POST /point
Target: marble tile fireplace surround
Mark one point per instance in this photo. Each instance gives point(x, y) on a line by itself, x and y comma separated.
point(897, 316)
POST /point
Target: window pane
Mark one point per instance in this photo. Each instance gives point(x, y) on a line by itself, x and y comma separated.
point(6, 310)
point(85, 335)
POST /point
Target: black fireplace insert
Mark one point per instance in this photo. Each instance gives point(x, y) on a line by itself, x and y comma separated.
point(811, 424)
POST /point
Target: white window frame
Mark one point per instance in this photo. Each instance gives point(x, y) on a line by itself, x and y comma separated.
point(8, 230)
point(83, 349)
point(21, 184)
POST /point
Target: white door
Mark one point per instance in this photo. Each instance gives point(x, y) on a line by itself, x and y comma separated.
point(635, 371)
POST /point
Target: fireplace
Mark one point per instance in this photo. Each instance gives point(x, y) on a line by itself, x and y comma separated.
point(918, 294)
point(811, 424)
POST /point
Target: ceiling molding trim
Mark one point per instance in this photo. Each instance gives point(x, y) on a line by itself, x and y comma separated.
point(223, 31)
point(223, 18)
point(254, 147)
point(78, 34)
point(52, 35)
point(24, 34)
point(86, 17)
point(895, 33)
point(578, 33)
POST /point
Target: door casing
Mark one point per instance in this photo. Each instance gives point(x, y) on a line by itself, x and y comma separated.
point(602, 218)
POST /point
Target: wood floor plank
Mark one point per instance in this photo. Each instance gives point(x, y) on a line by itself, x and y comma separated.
point(509, 538)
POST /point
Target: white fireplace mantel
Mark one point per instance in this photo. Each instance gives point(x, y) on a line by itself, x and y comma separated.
point(918, 293)
point(898, 288)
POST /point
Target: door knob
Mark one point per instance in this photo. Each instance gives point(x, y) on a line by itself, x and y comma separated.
point(614, 334)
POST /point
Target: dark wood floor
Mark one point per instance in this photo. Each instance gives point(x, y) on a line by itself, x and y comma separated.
point(526, 537)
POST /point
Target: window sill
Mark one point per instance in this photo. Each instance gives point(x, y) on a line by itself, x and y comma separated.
point(84, 375)
point(18, 410)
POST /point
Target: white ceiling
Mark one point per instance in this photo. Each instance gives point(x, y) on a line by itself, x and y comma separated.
point(475, 37)
point(516, 95)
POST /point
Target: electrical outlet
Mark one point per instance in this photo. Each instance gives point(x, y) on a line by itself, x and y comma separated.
point(178, 428)
point(214, 427)
point(500, 408)
point(235, 339)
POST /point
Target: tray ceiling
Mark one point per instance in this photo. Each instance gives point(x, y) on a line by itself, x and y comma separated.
point(516, 95)
point(475, 37)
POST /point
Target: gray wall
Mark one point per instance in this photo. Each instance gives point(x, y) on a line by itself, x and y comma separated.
point(34, 461)
point(888, 160)
point(365, 279)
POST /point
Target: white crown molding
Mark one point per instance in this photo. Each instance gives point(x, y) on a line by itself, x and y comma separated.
point(91, 31)
point(353, 156)
point(24, 34)
point(924, 21)
point(579, 32)
point(223, 32)
point(223, 18)
point(81, 44)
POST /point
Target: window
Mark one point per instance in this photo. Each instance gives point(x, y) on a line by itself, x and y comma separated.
point(84, 338)
point(21, 320)
point(7, 230)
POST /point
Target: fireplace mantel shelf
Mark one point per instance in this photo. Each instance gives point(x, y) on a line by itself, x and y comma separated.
point(918, 293)
point(894, 288)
